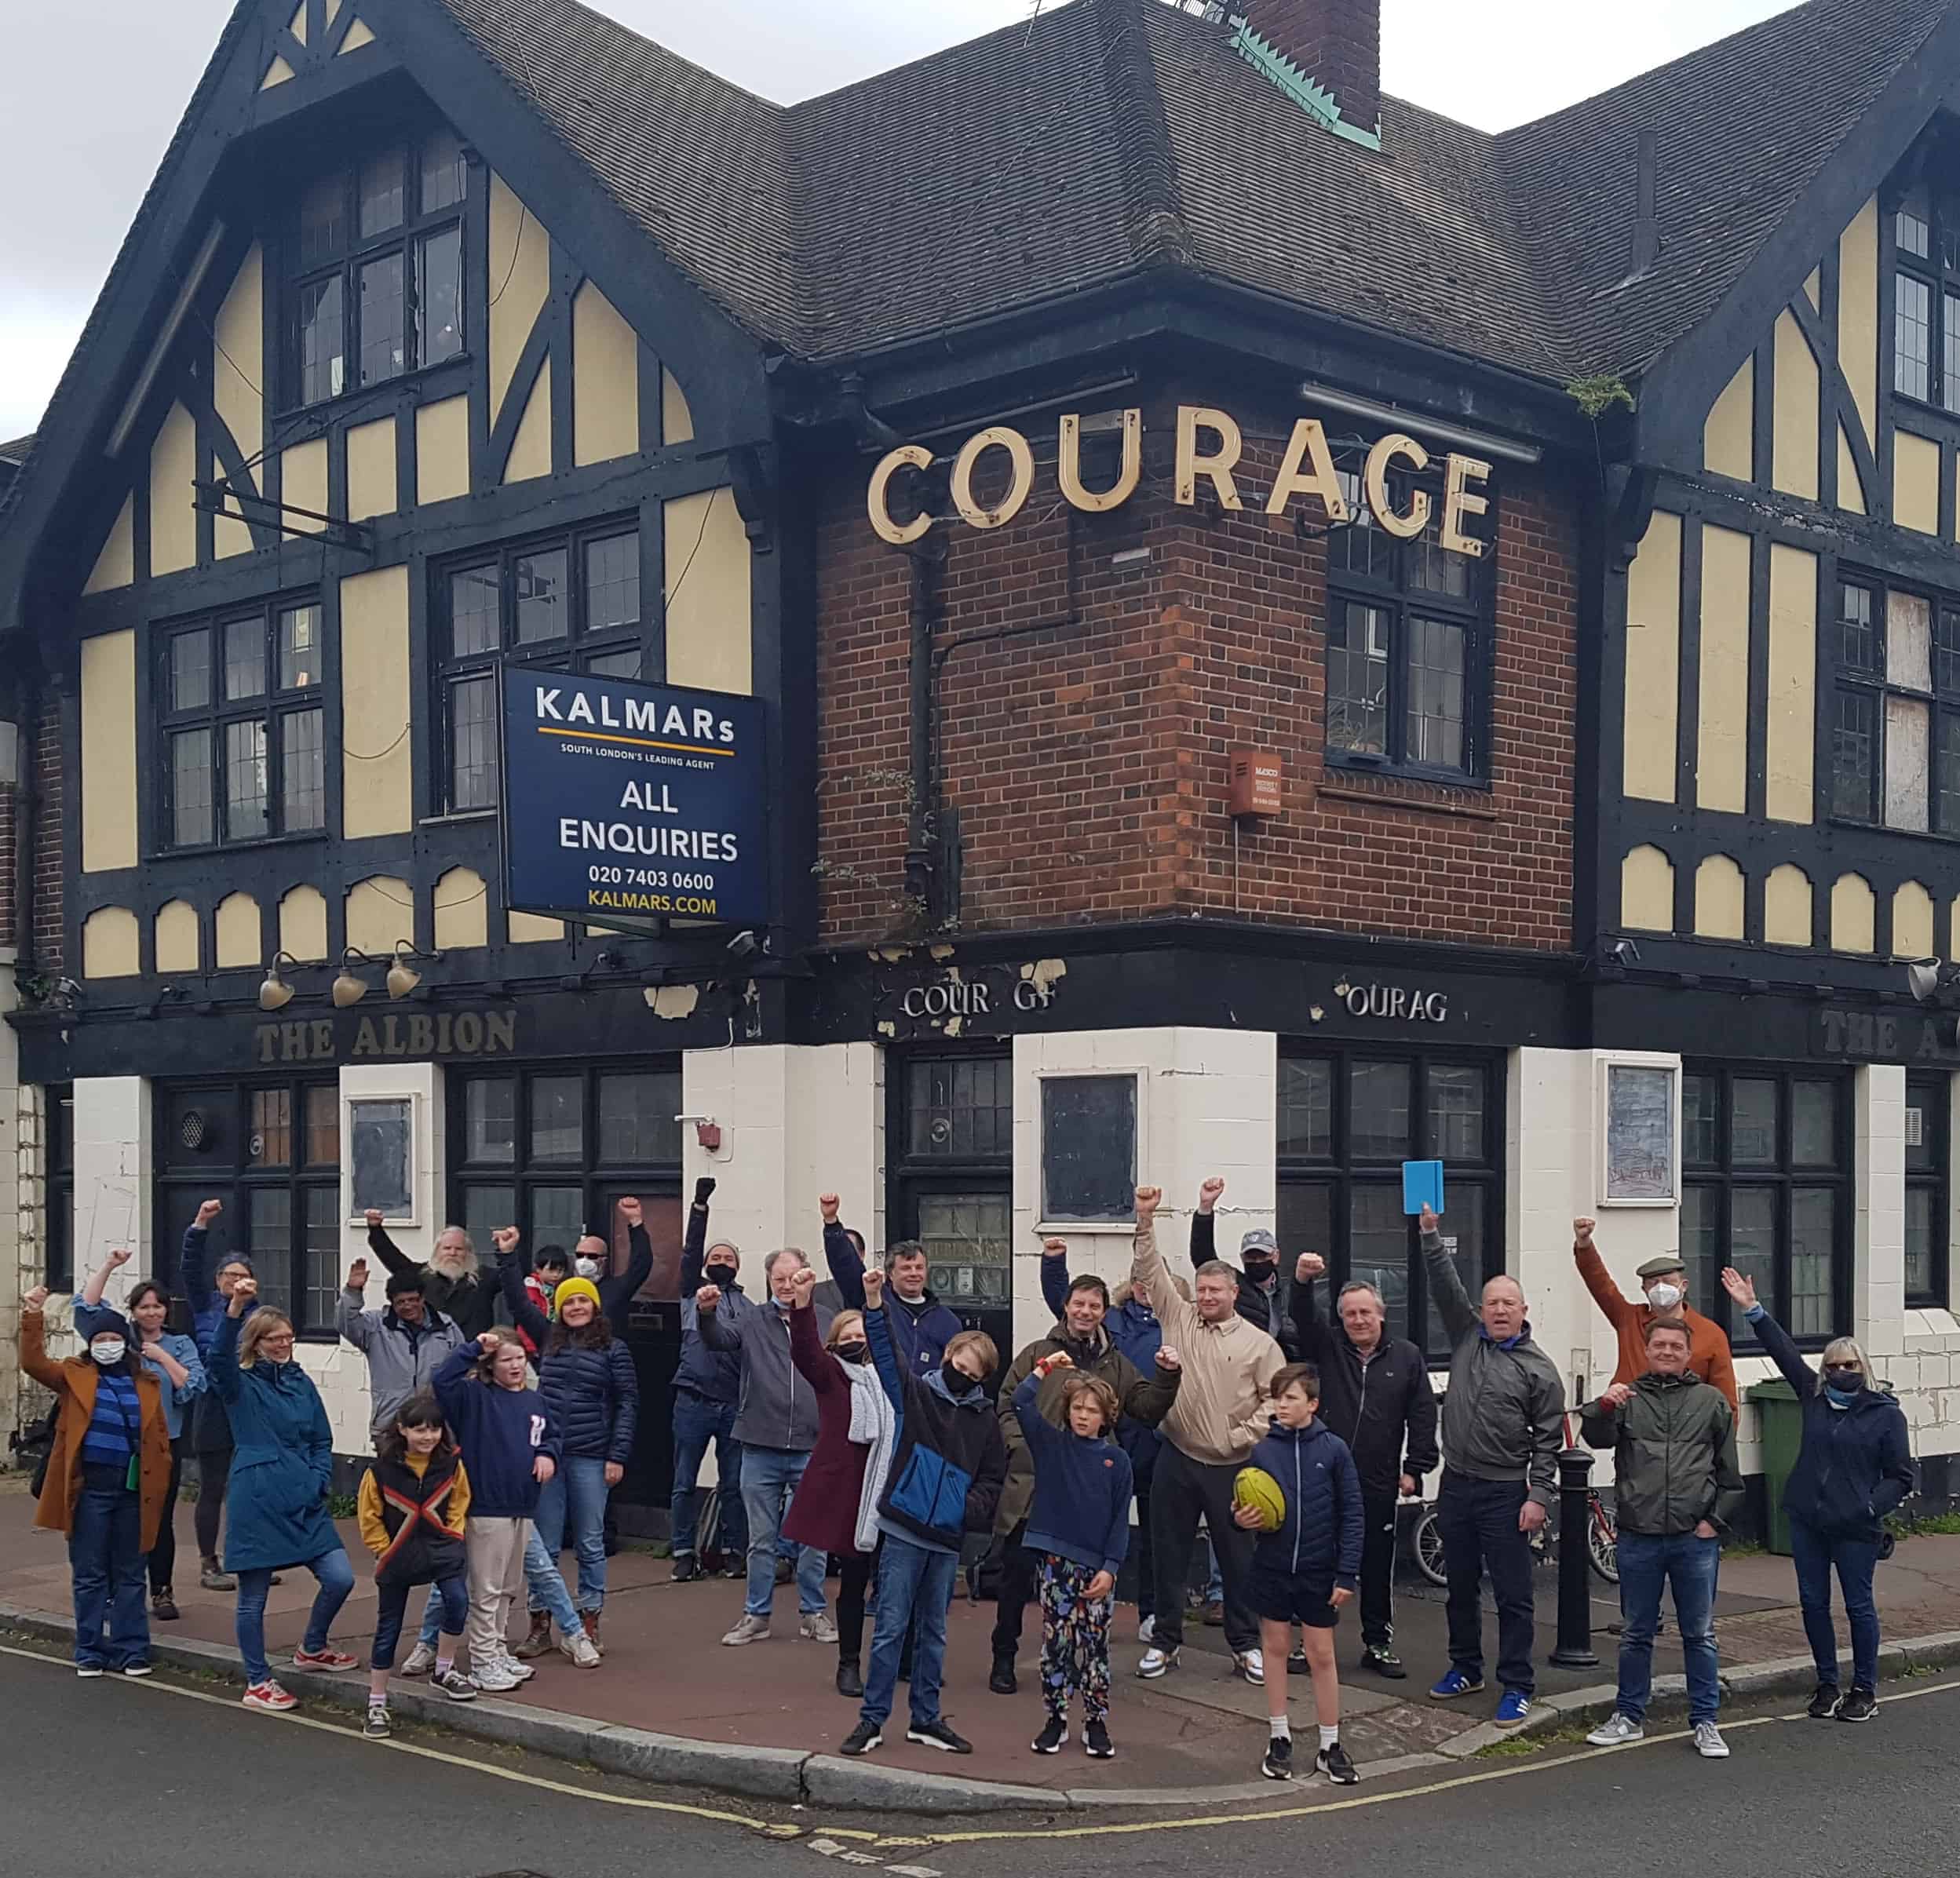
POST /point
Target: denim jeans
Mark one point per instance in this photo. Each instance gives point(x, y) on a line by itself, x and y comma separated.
point(1649, 1563)
point(448, 1604)
point(1815, 1555)
point(545, 1588)
point(105, 1555)
point(571, 1505)
point(698, 1424)
point(1478, 1522)
point(914, 1587)
point(769, 1479)
point(336, 1578)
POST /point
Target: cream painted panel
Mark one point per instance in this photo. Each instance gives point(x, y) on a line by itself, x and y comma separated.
point(1786, 908)
point(1728, 438)
point(708, 609)
point(530, 449)
point(1858, 314)
point(357, 35)
point(1789, 744)
point(677, 420)
point(1952, 928)
point(370, 470)
point(1814, 288)
point(442, 451)
point(279, 72)
point(520, 274)
point(172, 471)
point(1647, 891)
point(1792, 450)
point(108, 752)
point(297, 26)
point(605, 393)
point(1852, 914)
point(377, 770)
point(303, 469)
point(1851, 486)
point(302, 924)
point(110, 944)
point(240, 940)
point(1915, 482)
point(1912, 922)
point(526, 928)
point(380, 911)
point(1651, 714)
point(1718, 898)
point(238, 369)
point(462, 902)
point(1722, 751)
point(178, 947)
point(115, 566)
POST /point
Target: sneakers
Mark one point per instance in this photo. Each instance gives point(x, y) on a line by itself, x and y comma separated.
point(1096, 1740)
point(591, 1620)
point(1215, 1615)
point(89, 1671)
point(583, 1652)
point(270, 1697)
point(1296, 1660)
point(1155, 1662)
point(510, 1666)
point(1860, 1705)
point(1278, 1765)
point(1334, 1763)
point(850, 1679)
point(937, 1734)
point(818, 1628)
point(1447, 1687)
point(492, 1678)
point(1000, 1678)
point(862, 1740)
point(163, 1607)
point(377, 1727)
point(212, 1579)
point(1147, 1629)
point(1384, 1662)
point(1709, 1743)
point(1053, 1734)
point(537, 1639)
point(1617, 1729)
point(1513, 1710)
point(1823, 1703)
point(453, 1684)
point(749, 1630)
point(686, 1568)
point(325, 1662)
point(421, 1659)
point(1251, 1664)
point(137, 1669)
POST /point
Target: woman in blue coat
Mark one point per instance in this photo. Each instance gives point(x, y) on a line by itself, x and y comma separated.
point(281, 1465)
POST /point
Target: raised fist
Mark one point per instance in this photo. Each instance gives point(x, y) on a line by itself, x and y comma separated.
point(208, 1211)
point(874, 1290)
point(244, 1295)
point(1169, 1360)
point(1427, 1219)
point(1054, 1248)
point(703, 1190)
point(802, 1289)
point(1058, 1359)
point(1582, 1232)
point(490, 1342)
point(629, 1211)
point(1309, 1267)
point(357, 1275)
point(1209, 1194)
point(707, 1297)
point(504, 1239)
point(372, 1216)
point(1150, 1198)
point(35, 1298)
point(827, 1205)
point(122, 1255)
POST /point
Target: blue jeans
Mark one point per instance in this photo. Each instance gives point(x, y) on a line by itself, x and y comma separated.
point(1647, 1564)
point(544, 1587)
point(697, 1423)
point(1815, 1554)
point(914, 1587)
point(336, 1578)
point(105, 1555)
point(769, 1479)
point(1477, 1520)
point(448, 1606)
point(578, 1490)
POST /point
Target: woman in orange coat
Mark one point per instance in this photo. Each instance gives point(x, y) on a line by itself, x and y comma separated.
point(108, 1477)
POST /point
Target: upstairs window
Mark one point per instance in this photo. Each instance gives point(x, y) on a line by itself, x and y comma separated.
point(375, 281)
point(1896, 709)
point(567, 603)
point(1925, 301)
point(243, 727)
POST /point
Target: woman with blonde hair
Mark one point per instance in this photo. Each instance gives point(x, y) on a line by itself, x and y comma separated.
point(282, 1466)
point(1854, 1467)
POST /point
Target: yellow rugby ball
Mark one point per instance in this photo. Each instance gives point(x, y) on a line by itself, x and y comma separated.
point(1256, 1488)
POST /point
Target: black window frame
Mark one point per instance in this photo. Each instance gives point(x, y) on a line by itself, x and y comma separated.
point(275, 706)
point(579, 649)
point(1390, 589)
point(57, 1263)
point(1929, 1170)
point(1861, 685)
point(407, 239)
point(1342, 1171)
point(1938, 272)
point(1723, 1176)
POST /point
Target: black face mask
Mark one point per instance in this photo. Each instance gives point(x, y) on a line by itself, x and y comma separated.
point(1260, 1270)
point(722, 1275)
point(852, 1353)
point(1846, 1382)
point(956, 1378)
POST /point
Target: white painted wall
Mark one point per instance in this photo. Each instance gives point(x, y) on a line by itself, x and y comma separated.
point(112, 1172)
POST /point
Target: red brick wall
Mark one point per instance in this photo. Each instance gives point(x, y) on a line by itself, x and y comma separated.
point(1088, 761)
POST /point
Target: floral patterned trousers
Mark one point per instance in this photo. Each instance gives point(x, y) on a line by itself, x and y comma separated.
point(1074, 1640)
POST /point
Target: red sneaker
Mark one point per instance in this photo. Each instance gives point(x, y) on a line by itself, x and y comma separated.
point(330, 1662)
point(270, 1697)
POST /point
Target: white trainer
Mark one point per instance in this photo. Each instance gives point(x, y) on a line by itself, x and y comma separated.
point(1709, 1743)
point(1616, 1731)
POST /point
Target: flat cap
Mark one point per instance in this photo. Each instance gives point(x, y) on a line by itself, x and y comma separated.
point(1659, 1267)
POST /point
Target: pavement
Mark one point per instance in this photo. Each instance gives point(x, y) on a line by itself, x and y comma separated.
point(671, 1703)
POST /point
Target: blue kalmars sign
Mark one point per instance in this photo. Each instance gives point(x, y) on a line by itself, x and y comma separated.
point(625, 804)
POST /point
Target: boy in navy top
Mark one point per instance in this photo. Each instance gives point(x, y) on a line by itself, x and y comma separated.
point(1307, 1570)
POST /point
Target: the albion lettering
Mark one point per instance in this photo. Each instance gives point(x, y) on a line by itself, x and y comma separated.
point(393, 1033)
point(1209, 444)
point(1884, 1037)
point(1394, 1001)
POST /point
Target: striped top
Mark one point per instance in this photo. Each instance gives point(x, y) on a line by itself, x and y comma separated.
point(117, 1424)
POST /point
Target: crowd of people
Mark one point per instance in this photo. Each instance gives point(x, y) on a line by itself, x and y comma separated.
point(1230, 1412)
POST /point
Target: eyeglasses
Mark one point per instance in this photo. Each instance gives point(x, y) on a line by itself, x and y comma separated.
point(1844, 1369)
point(277, 1336)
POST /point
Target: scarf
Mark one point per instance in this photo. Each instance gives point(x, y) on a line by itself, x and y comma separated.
point(873, 1424)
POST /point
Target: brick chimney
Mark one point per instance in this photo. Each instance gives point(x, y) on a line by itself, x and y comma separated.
point(1336, 43)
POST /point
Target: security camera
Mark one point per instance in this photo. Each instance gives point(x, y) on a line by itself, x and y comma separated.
point(1623, 952)
point(746, 946)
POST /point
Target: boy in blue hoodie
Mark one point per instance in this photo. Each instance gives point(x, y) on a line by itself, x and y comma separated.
point(1303, 1572)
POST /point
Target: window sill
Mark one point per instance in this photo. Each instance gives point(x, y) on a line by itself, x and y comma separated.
point(310, 837)
point(1397, 789)
point(343, 401)
point(457, 816)
point(1855, 826)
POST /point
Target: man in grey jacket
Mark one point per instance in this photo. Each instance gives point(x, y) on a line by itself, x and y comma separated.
point(776, 1422)
point(405, 1344)
point(1502, 1428)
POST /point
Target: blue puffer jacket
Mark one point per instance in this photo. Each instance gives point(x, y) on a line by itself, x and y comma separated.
point(1320, 1538)
point(714, 1375)
point(920, 1331)
point(593, 1396)
point(276, 1506)
point(210, 1431)
point(1134, 1329)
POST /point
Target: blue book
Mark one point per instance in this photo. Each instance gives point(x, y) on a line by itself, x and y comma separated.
point(1422, 1186)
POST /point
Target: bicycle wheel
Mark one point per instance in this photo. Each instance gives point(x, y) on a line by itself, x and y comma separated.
point(1426, 1546)
point(1602, 1540)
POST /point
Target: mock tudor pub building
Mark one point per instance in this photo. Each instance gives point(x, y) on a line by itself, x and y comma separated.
point(1184, 617)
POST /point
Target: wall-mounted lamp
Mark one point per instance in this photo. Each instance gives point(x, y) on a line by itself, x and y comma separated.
point(403, 978)
point(274, 993)
point(350, 986)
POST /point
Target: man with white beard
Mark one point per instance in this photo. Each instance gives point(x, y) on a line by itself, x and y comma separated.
point(451, 1281)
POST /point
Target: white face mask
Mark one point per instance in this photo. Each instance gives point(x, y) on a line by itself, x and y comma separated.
point(586, 1268)
point(1665, 1297)
point(108, 1351)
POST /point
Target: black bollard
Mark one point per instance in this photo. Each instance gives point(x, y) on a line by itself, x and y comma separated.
point(1574, 1650)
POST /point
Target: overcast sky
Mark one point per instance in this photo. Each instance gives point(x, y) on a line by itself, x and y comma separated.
point(91, 90)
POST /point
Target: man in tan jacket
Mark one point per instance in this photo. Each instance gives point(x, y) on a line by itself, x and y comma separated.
point(1220, 1412)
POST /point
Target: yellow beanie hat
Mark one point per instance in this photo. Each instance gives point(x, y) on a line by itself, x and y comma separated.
point(573, 1288)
